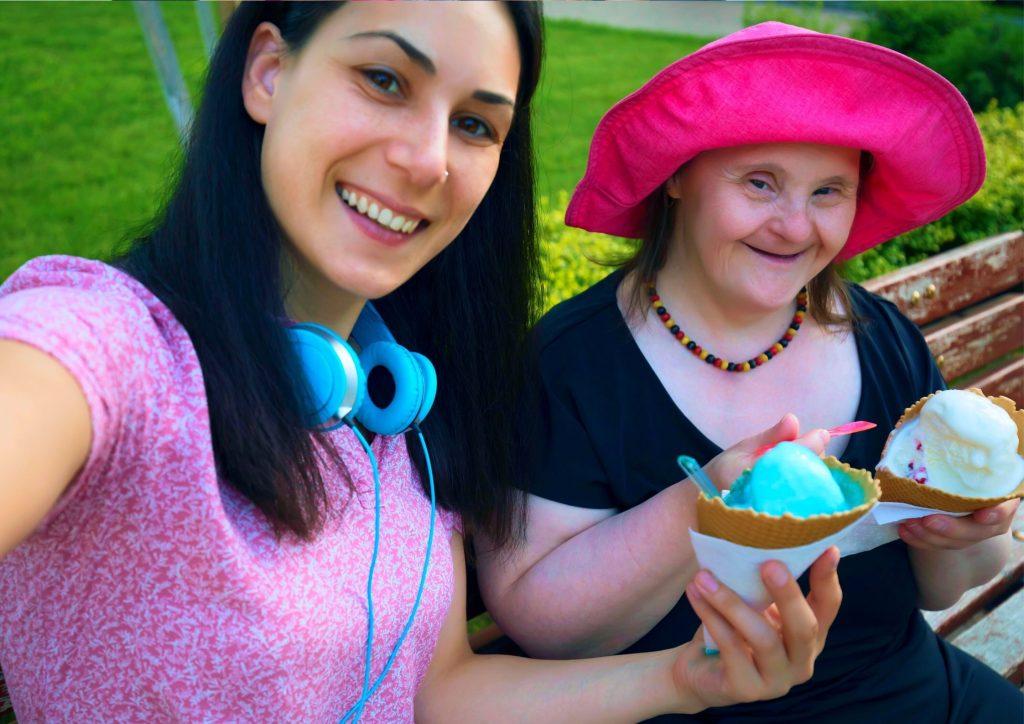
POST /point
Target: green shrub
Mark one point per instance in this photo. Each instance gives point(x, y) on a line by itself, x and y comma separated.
point(808, 15)
point(574, 259)
point(979, 50)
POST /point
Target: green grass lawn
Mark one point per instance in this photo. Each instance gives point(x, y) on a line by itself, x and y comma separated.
point(587, 70)
point(89, 145)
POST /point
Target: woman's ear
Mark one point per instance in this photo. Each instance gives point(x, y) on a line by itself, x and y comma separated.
point(672, 186)
point(262, 66)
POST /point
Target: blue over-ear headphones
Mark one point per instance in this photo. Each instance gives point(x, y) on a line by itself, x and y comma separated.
point(336, 377)
point(336, 381)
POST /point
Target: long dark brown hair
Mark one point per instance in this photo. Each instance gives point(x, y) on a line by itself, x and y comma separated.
point(213, 255)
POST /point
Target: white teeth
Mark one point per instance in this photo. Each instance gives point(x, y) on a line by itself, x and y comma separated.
point(382, 215)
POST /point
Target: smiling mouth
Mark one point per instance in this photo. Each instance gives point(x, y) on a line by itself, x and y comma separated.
point(376, 211)
point(771, 255)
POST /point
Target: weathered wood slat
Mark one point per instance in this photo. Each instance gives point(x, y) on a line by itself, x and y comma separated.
point(1007, 380)
point(998, 639)
point(954, 279)
point(949, 620)
point(977, 336)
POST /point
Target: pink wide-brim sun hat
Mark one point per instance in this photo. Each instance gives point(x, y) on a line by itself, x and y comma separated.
point(776, 83)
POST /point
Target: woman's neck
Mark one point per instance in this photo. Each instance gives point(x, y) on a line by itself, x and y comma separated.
point(724, 325)
point(308, 297)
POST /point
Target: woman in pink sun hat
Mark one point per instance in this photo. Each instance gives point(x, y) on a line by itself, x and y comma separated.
point(747, 169)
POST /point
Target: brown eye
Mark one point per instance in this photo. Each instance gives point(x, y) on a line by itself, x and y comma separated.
point(383, 80)
point(473, 127)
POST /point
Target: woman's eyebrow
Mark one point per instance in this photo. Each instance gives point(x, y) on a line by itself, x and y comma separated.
point(420, 58)
point(416, 55)
point(778, 170)
point(495, 98)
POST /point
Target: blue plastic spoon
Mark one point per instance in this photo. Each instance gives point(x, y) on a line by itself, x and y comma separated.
point(698, 476)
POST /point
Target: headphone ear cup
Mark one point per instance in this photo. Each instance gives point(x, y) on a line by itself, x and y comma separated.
point(335, 385)
point(400, 412)
point(429, 385)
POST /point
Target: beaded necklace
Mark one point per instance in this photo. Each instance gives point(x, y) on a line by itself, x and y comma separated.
point(722, 364)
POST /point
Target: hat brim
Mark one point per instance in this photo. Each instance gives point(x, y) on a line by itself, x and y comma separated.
point(798, 86)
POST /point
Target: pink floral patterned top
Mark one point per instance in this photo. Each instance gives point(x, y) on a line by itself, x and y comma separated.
point(154, 592)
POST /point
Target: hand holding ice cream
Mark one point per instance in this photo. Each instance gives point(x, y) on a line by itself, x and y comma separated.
point(788, 509)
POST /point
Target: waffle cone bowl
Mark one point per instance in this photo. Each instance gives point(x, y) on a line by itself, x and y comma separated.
point(747, 527)
point(898, 489)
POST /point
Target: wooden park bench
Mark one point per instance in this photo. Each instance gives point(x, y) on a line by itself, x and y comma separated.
point(988, 622)
point(969, 303)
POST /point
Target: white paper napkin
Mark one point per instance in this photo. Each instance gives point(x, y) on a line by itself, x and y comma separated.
point(738, 566)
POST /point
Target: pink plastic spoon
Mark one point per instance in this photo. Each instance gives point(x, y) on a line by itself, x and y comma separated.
point(847, 429)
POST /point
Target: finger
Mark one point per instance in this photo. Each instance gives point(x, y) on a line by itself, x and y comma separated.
point(915, 534)
point(739, 676)
point(750, 630)
point(965, 529)
point(725, 467)
point(815, 440)
point(958, 532)
point(799, 627)
point(826, 594)
point(785, 429)
point(997, 515)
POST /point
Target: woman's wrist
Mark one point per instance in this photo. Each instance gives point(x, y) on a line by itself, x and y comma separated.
point(685, 698)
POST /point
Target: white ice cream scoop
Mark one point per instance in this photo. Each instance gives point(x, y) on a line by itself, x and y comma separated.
point(960, 443)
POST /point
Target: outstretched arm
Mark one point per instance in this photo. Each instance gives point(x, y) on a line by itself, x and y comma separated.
point(45, 431)
point(626, 570)
point(761, 656)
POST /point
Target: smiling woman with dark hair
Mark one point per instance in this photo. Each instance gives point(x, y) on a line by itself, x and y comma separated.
point(226, 492)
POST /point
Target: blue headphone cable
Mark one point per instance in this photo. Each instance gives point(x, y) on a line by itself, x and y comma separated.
point(357, 709)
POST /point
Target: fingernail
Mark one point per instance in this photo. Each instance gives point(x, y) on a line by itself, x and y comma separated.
point(936, 524)
point(706, 582)
point(834, 556)
point(693, 593)
point(989, 516)
point(776, 573)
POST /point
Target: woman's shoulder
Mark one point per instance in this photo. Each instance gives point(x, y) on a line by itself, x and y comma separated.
point(70, 272)
point(101, 323)
point(579, 318)
point(891, 341)
point(58, 287)
point(872, 309)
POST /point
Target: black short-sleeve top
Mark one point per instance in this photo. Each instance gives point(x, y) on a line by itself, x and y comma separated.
point(608, 437)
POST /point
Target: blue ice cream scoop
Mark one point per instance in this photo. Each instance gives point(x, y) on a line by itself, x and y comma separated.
point(789, 478)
